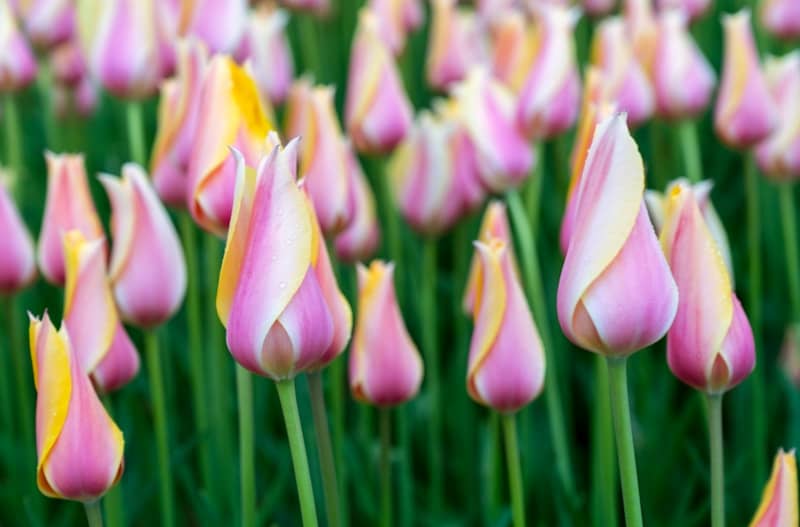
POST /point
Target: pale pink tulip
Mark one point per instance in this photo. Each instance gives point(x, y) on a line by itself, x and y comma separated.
point(17, 261)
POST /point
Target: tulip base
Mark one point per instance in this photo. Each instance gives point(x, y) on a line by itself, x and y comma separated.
point(514, 471)
point(717, 460)
point(330, 487)
point(160, 424)
point(94, 516)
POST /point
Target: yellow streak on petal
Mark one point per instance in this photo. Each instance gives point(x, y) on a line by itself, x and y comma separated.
point(377, 57)
point(736, 62)
point(369, 282)
point(784, 468)
point(246, 97)
point(490, 300)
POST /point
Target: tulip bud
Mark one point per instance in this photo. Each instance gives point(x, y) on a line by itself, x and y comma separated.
point(455, 44)
point(778, 507)
point(230, 113)
point(616, 294)
point(396, 18)
point(778, 155)
point(598, 8)
point(68, 206)
point(85, 97)
point(359, 240)
point(98, 339)
point(781, 18)
point(692, 8)
point(148, 271)
point(79, 446)
point(221, 24)
point(789, 358)
point(514, 44)
point(640, 24)
point(710, 345)
point(17, 63)
point(317, 7)
point(377, 110)
point(17, 262)
point(682, 77)
point(270, 53)
point(67, 63)
point(49, 22)
point(385, 365)
point(745, 113)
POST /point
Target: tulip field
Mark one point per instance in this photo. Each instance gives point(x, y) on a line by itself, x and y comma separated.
point(399, 263)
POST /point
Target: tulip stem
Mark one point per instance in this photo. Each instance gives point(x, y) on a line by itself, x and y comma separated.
point(789, 220)
point(291, 416)
point(13, 135)
point(618, 385)
point(717, 463)
point(324, 449)
point(687, 130)
point(136, 132)
point(386, 467)
point(604, 476)
point(514, 472)
point(94, 516)
point(244, 393)
point(160, 425)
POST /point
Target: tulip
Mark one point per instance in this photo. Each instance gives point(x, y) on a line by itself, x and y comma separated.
point(778, 155)
point(613, 253)
point(68, 64)
point(745, 113)
point(377, 110)
point(230, 114)
point(682, 77)
point(778, 506)
point(789, 358)
point(85, 97)
point(692, 8)
point(177, 123)
point(781, 18)
point(221, 24)
point(101, 346)
point(396, 18)
point(455, 44)
point(49, 22)
point(359, 240)
point(148, 270)
point(68, 206)
point(79, 446)
point(270, 53)
point(640, 24)
point(316, 7)
point(17, 64)
point(598, 8)
point(385, 365)
point(171, 20)
point(513, 47)
point(17, 261)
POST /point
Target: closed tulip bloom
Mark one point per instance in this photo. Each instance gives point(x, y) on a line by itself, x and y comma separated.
point(270, 53)
point(17, 262)
point(778, 507)
point(49, 22)
point(79, 446)
point(454, 43)
point(692, 8)
point(598, 8)
point(781, 18)
point(789, 358)
point(616, 294)
point(100, 344)
point(68, 206)
point(396, 18)
point(506, 357)
point(17, 62)
point(317, 7)
point(513, 46)
point(68, 64)
point(221, 24)
point(385, 366)
point(359, 240)
point(682, 77)
point(85, 97)
point(778, 155)
point(148, 270)
point(710, 345)
point(640, 24)
point(745, 113)
point(377, 110)
point(230, 114)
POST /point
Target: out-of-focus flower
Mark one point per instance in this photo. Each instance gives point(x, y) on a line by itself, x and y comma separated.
point(710, 345)
point(598, 8)
point(513, 47)
point(270, 54)
point(616, 294)
point(68, 206)
point(48, 22)
point(317, 7)
point(148, 270)
point(385, 366)
point(79, 446)
point(230, 113)
point(682, 77)
point(549, 100)
point(693, 8)
point(640, 23)
point(17, 63)
point(221, 24)
point(778, 506)
point(177, 124)
point(377, 110)
point(277, 296)
point(506, 358)
point(745, 113)
point(789, 359)
point(455, 43)
point(86, 97)
point(781, 18)
point(17, 261)
point(396, 18)
point(779, 154)
point(171, 18)
point(68, 64)
point(359, 240)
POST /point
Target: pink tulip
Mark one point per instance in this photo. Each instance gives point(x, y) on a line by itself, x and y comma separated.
point(745, 113)
point(789, 358)
point(781, 18)
point(506, 357)
point(359, 240)
point(17, 63)
point(385, 366)
point(277, 296)
point(68, 206)
point(455, 44)
point(148, 271)
point(221, 24)
point(779, 154)
point(377, 110)
point(49, 22)
point(693, 8)
point(17, 262)
point(598, 8)
point(100, 344)
point(317, 7)
point(640, 25)
point(682, 77)
point(513, 47)
point(616, 294)
point(86, 97)
point(778, 506)
point(710, 346)
point(79, 446)
point(67, 63)
point(270, 53)
point(396, 18)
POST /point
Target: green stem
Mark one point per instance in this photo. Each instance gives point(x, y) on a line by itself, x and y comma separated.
point(604, 476)
point(22, 372)
point(687, 130)
point(44, 83)
point(94, 516)
point(294, 431)
point(337, 390)
point(789, 220)
point(13, 134)
point(491, 475)
point(135, 121)
point(406, 489)
point(244, 393)
point(618, 385)
point(390, 220)
point(514, 472)
point(310, 45)
point(533, 189)
point(386, 467)
point(160, 424)
point(324, 449)
point(717, 463)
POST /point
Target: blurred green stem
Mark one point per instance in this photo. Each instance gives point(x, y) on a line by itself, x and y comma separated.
point(386, 467)
point(160, 424)
point(324, 449)
point(687, 130)
point(310, 45)
point(514, 472)
point(94, 516)
point(390, 220)
point(136, 132)
point(604, 469)
point(618, 385)
point(44, 83)
point(22, 373)
point(717, 461)
point(294, 431)
point(533, 188)
point(13, 134)
point(244, 392)
point(789, 220)
point(406, 490)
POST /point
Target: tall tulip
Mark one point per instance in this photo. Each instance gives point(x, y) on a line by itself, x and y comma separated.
point(778, 155)
point(17, 260)
point(778, 507)
point(359, 240)
point(455, 44)
point(17, 64)
point(781, 18)
point(270, 53)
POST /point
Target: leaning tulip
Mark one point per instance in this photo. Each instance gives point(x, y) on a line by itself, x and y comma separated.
point(454, 43)
point(220, 24)
point(778, 156)
point(17, 261)
point(270, 53)
point(359, 240)
point(230, 114)
point(692, 8)
point(385, 365)
point(148, 270)
point(682, 77)
point(745, 113)
point(778, 506)
point(68, 206)
point(79, 446)
point(781, 18)
point(49, 22)
point(613, 254)
point(377, 110)
point(17, 63)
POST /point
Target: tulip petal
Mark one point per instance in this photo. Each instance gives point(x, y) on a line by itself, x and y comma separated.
point(778, 507)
